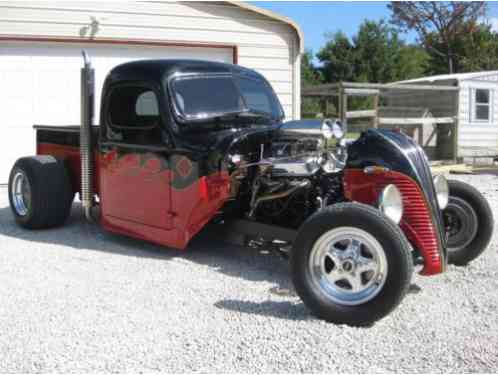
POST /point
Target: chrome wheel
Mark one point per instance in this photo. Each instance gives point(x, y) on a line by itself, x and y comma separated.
point(348, 265)
point(21, 193)
point(461, 223)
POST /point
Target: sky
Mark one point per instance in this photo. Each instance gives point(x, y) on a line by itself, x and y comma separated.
point(317, 18)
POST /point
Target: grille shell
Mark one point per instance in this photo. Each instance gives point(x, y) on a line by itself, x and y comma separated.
point(417, 220)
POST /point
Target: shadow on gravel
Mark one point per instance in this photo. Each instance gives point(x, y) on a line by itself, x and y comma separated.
point(274, 309)
point(205, 249)
point(79, 235)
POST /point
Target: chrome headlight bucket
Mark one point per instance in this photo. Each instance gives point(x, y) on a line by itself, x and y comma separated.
point(391, 203)
point(442, 191)
point(312, 165)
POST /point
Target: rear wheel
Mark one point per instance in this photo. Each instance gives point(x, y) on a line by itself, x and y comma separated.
point(350, 264)
point(40, 192)
point(469, 223)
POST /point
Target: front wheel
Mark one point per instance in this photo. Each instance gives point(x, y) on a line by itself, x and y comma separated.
point(350, 264)
point(469, 223)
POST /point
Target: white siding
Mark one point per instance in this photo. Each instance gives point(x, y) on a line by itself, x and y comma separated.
point(267, 45)
point(474, 135)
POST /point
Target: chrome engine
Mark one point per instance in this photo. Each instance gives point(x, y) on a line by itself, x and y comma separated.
point(289, 181)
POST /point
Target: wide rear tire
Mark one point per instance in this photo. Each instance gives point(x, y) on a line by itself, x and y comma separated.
point(40, 192)
point(355, 287)
point(469, 221)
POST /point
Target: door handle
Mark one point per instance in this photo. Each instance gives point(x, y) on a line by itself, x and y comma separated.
point(105, 148)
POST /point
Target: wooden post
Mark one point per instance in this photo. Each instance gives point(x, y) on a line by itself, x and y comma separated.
point(420, 131)
point(376, 109)
point(339, 101)
point(344, 118)
point(323, 106)
point(454, 130)
point(343, 104)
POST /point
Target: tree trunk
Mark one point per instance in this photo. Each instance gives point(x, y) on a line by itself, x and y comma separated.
point(450, 58)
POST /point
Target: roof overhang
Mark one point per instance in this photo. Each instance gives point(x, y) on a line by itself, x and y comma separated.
point(275, 16)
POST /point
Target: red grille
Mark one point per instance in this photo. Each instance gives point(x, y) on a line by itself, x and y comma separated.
point(416, 222)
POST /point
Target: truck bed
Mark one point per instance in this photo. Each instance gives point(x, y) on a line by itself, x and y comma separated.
point(63, 135)
point(64, 142)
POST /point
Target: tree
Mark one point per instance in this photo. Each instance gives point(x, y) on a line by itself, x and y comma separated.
point(474, 50)
point(337, 58)
point(375, 54)
point(479, 49)
point(376, 47)
point(411, 61)
point(310, 75)
point(439, 24)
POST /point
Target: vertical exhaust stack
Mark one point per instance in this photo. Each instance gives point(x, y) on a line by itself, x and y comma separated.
point(86, 144)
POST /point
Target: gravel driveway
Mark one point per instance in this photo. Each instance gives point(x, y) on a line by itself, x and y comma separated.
point(77, 299)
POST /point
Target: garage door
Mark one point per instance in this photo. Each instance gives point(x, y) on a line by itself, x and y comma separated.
point(40, 84)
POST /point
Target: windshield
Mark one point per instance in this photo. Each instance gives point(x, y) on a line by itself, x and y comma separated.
point(207, 97)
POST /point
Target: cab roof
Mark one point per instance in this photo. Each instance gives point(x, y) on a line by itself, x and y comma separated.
point(157, 70)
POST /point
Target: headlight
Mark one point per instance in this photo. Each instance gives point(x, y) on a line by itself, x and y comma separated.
point(391, 203)
point(442, 191)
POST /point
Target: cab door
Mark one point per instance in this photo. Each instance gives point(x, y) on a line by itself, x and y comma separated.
point(135, 192)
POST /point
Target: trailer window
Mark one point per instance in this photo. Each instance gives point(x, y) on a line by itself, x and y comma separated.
point(481, 105)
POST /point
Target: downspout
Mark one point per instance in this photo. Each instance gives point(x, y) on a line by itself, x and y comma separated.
point(86, 145)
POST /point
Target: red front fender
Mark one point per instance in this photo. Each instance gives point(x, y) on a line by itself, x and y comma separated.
point(416, 222)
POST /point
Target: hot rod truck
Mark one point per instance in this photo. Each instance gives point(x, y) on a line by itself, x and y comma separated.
point(184, 143)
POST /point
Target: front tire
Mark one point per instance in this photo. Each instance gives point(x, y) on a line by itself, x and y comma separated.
point(40, 192)
point(350, 264)
point(469, 223)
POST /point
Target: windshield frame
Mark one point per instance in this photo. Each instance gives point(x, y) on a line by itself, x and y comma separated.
point(199, 118)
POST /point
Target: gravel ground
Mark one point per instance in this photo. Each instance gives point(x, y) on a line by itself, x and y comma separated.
point(77, 299)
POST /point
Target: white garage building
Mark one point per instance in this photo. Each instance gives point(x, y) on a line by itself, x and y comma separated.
point(41, 43)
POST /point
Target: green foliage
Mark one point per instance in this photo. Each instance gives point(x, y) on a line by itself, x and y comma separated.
point(442, 28)
point(337, 58)
point(479, 50)
point(411, 62)
point(475, 50)
point(376, 46)
point(375, 54)
point(310, 75)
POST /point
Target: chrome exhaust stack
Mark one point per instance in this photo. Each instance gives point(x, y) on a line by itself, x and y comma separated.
point(86, 144)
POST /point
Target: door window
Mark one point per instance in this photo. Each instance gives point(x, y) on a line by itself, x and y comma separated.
point(133, 115)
